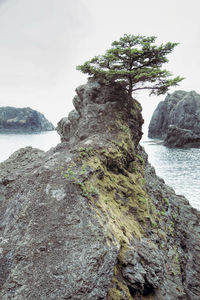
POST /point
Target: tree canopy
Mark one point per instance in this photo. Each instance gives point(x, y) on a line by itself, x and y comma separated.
point(135, 61)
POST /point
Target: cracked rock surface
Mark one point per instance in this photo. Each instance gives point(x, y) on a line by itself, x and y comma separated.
point(89, 219)
point(177, 120)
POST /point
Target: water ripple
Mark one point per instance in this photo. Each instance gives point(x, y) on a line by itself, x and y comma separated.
point(180, 168)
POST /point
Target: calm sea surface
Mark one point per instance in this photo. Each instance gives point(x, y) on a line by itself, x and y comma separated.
point(12, 142)
point(180, 168)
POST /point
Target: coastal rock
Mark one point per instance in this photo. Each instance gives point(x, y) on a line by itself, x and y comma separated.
point(89, 219)
point(98, 103)
point(14, 119)
point(181, 109)
point(181, 138)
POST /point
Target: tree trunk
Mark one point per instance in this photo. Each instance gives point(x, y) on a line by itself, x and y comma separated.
point(130, 88)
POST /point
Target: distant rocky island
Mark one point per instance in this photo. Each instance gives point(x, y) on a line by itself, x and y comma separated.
point(19, 120)
point(177, 120)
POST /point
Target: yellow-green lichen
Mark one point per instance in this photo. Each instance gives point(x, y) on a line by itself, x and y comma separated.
point(119, 291)
point(115, 189)
point(122, 202)
point(123, 127)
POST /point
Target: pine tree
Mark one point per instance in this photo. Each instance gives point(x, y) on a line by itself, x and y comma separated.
point(136, 62)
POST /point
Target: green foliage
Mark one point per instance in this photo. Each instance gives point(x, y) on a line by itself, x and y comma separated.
point(93, 191)
point(163, 212)
point(154, 224)
point(123, 127)
point(142, 199)
point(88, 192)
point(140, 159)
point(171, 229)
point(136, 62)
point(70, 175)
point(80, 178)
point(166, 201)
point(174, 216)
point(86, 152)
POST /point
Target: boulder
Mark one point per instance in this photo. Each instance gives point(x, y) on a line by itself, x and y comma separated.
point(181, 109)
point(18, 120)
point(181, 138)
point(89, 219)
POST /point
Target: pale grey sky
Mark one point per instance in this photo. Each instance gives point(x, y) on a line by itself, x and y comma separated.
point(42, 42)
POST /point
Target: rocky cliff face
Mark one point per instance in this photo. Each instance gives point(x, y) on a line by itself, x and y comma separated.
point(14, 119)
point(98, 108)
point(181, 109)
point(89, 219)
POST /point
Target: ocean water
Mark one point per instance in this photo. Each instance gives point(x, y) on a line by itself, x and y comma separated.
point(180, 168)
point(12, 142)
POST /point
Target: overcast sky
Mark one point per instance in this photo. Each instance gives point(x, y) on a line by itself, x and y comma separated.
point(42, 42)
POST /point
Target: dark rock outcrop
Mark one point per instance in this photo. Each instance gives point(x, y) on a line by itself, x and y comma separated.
point(14, 119)
point(181, 109)
point(89, 219)
point(97, 107)
point(181, 138)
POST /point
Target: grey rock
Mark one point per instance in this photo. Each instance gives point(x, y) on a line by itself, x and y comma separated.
point(182, 244)
point(52, 247)
point(97, 103)
point(63, 129)
point(89, 219)
point(181, 109)
point(144, 271)
point(14, 119)
point(181, 138)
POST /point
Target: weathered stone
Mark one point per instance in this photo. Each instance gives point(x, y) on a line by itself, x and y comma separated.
point(98, 103)
point(53, 247)
point(143, 268)
point(14, 119)
point(89, 219)
point(181, 109)
point(181, 249)
point(181, 138)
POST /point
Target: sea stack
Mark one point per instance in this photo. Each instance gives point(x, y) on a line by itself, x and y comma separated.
point(89, 219)
point(177, 120)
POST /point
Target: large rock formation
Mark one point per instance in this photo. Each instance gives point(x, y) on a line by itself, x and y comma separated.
point(181, 109)
point(181, 138)
point(14, 119)
point(89, 219)
point(98, 106)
